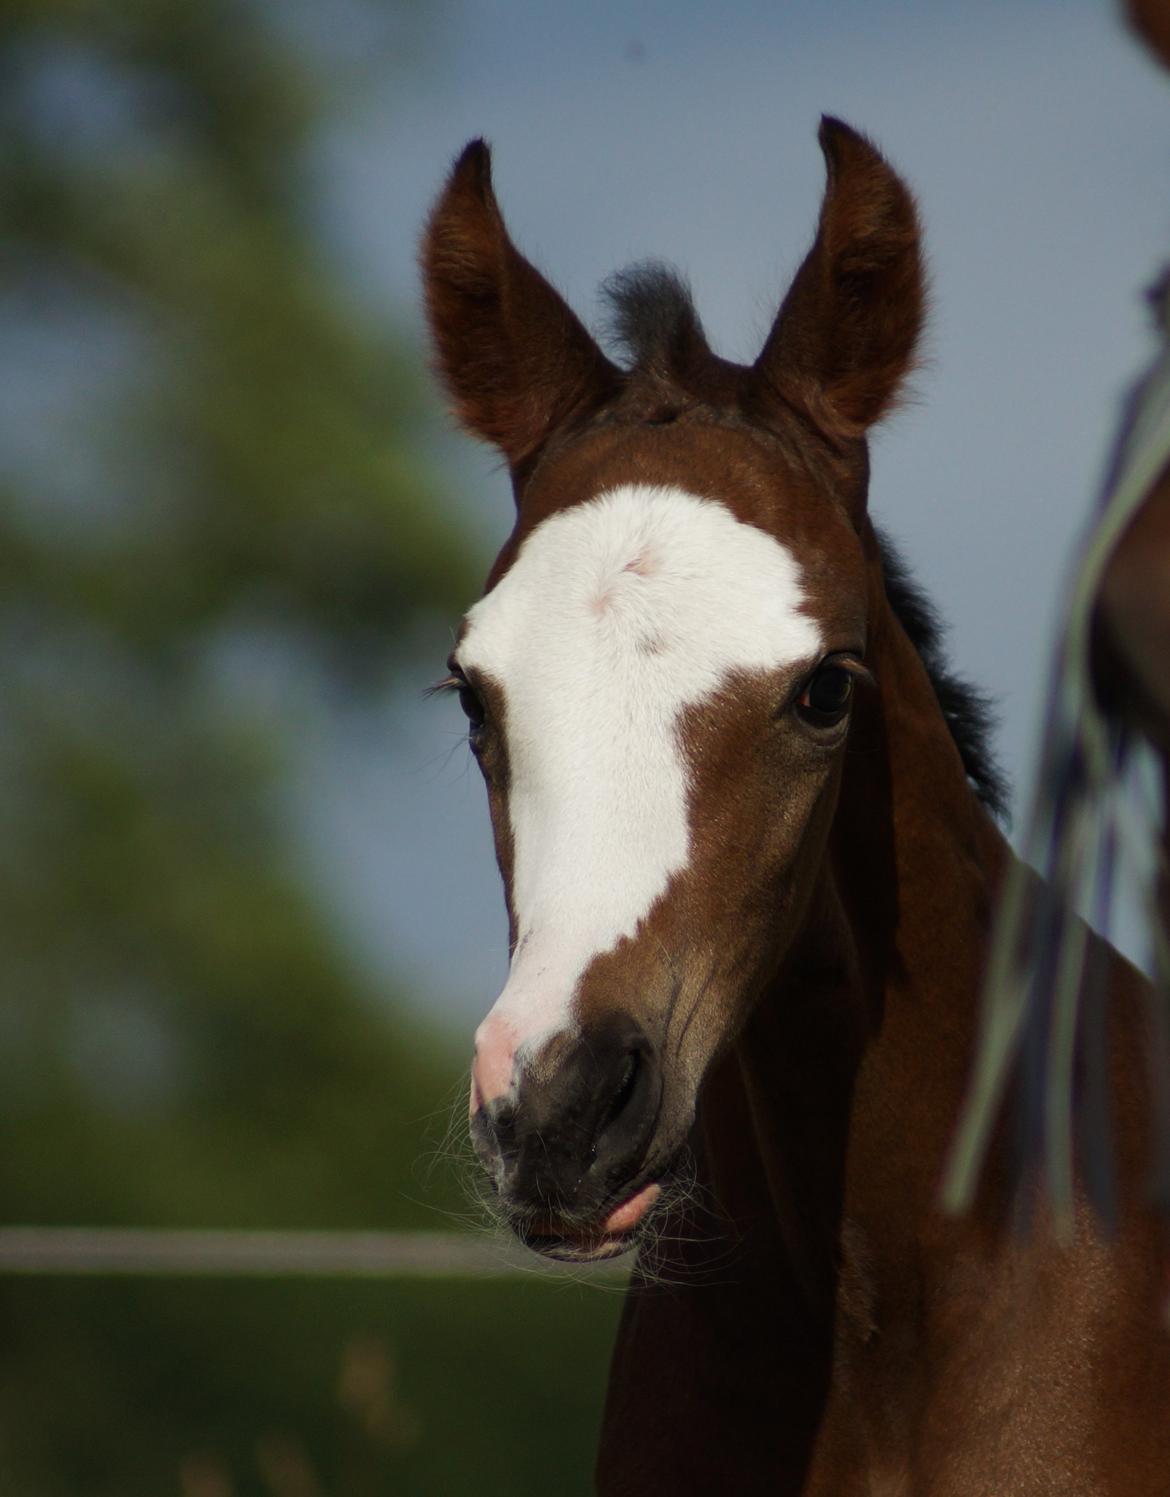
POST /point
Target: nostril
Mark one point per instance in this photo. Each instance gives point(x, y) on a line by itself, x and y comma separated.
point(623, 1092)
point(504, 1126)
point(494, 1134)
point(626, 1116)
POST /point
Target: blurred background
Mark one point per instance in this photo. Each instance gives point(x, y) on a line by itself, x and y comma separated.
point(248, 908)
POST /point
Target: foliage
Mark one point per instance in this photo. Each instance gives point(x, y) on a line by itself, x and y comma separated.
point(219, 490)
point(343, 1388)
point(211, 492)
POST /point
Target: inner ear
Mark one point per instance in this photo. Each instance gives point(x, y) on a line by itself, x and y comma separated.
point(845, 338)
point(517, 362)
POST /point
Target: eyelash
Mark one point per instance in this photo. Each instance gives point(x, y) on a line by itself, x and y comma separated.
point(469, 699)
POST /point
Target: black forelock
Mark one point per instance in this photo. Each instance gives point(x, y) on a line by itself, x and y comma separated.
point(652, 319)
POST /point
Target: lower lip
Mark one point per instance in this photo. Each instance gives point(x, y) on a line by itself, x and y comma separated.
point(613, 1237)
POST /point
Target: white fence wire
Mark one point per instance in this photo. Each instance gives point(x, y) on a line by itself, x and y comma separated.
point(236, 1254)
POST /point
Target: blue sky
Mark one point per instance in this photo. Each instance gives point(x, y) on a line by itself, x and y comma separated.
point(1037, 139)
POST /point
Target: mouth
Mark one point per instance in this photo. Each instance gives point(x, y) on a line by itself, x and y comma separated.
point(615, 1233)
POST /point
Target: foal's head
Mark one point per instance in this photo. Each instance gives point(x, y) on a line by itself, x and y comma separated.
point(660, 675)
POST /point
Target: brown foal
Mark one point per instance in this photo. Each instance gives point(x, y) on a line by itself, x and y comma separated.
point(742, 817)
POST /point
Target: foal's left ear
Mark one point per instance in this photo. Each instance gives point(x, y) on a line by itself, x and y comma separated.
point(514, 357)
point(845, 337)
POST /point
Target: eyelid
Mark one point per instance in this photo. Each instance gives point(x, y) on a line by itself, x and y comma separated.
point(453, 682)
point(464, 675)
point(846, 660)
point(456, 680)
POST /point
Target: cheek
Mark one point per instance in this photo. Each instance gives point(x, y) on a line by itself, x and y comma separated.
point(759, 839)
point(735, 916)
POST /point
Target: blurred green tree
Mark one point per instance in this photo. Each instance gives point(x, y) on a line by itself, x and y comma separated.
point(211, 487)
point(208, 481)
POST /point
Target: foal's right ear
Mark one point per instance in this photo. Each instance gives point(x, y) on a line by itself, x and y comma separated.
point(514, 357)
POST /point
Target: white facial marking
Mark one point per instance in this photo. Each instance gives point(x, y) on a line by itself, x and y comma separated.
point(617, 615)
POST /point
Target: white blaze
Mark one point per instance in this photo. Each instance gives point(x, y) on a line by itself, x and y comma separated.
point(617, 615)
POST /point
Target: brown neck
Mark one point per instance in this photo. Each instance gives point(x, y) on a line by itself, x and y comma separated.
point(855, 1060)
point(918, 859)
point(822, 1130)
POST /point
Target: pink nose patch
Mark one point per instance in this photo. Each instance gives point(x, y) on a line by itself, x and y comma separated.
point(495, 1057)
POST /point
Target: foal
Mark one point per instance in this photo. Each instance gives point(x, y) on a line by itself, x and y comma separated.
point(748, 874)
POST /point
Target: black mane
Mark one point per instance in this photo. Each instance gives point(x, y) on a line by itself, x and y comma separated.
point(653, 323)
point(967, 710)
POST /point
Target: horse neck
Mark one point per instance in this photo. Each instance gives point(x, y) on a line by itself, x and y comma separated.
point(915, 856)
point(854, 1062)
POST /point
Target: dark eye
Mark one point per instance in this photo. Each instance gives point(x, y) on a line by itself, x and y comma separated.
point(825, 700)
point(469, 699)
point(472, 704)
